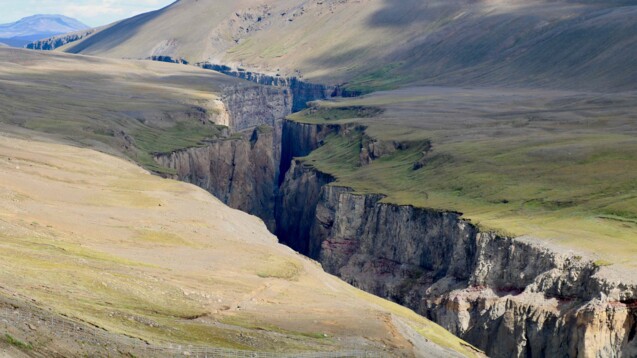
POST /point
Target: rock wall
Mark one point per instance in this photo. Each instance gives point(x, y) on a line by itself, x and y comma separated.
point(241, 171)
point(54, 42)
point(302, 92)
point(296, 205)
point(254, 106)
point(509, 297)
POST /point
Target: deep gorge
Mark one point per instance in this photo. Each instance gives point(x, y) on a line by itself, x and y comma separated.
point(509, 297)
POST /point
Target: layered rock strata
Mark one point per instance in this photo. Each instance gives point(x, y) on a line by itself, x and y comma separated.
point(512, 297)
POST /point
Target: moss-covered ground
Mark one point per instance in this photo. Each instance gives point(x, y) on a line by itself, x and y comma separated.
point(551, 165)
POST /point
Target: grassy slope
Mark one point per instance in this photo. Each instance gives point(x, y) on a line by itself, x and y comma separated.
point(552, 165)
point(134, 108)
point(102, 241)
point(383, 44)
point(99, 240)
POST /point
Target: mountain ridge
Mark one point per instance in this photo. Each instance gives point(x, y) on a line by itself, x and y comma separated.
point(377, 45)
point(35, 27)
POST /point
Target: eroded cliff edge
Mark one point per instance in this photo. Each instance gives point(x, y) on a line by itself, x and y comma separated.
point(508, 296)
point(241, 168)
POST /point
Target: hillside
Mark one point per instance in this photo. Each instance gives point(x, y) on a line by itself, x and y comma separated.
point(96, 242)
point(380, 44)
point(142, 264)
point(138, 108)
point(478, 168)
point(552, 166)
point(29, 29)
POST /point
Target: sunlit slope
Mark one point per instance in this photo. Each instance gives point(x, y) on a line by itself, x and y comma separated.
point(101, 241)
point(380, 44)
point(556, 166)
point(132, 108)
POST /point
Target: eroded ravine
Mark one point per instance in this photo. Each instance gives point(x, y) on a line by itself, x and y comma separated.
point(510, 297)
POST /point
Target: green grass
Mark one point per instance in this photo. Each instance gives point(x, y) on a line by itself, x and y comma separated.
point(568, 180)
point(152, 141)
point(278, 267)
point(132, 109)
point(385, 78)
point(17, 343)
point(318, 114)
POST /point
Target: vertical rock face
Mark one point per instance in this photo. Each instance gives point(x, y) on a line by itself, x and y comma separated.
point(302, 92)
point(510, 297)
point(256, 106)
point(300, 139)
point(242, 171)
point(296, 206)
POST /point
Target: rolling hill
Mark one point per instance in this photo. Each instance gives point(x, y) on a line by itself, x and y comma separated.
point(381, 44)
point(32, 28)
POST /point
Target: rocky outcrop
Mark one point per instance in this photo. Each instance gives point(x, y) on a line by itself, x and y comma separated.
point(296, 205)
point(241, 171)
point(511, 297)
point(242, 168)
point(55, 42)
point(301, 92)
point(254, 106)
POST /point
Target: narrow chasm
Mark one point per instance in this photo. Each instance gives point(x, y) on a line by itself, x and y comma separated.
point(510, 297)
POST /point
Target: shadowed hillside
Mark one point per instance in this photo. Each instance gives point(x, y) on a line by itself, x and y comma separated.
point(382, 44)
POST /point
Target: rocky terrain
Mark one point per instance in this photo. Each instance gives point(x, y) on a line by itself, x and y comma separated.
point(52, 43)
point(534, 301)
point(380, 44)
point(102, 258)
point(484, 183)
point(539, 297)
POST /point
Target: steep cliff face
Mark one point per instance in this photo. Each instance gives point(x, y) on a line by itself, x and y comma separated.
point(256, 106)
point(510, 297)
point(242, 169)
point(54, 42)
point(301, 92)
point(296, 206)
point(300, 139)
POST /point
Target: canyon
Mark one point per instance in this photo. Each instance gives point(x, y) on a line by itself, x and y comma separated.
point(509, 296)
point(101, 258)
point(469, 160)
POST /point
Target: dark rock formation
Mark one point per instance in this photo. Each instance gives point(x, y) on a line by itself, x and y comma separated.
point(241, 171)
point(510, 297)
point(54, 42)
point(296, 206)
point(302, 92)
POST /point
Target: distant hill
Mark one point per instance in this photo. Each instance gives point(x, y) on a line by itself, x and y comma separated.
point(36, 27)
point(383, 44)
